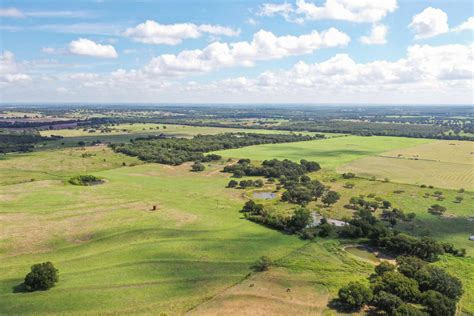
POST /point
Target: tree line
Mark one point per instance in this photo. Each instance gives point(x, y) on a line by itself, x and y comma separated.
point(175, 151)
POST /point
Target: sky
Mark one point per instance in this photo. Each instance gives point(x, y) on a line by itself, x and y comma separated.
point(191, 51)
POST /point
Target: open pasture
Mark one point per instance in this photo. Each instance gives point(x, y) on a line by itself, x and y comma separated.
point(330, 152)
point(108, 244)
point(59, 164)
point(444, 164)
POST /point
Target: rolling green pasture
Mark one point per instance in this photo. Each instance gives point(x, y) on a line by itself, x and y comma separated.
point(59, 164)
point(444, 164)
point(116, 255)
point(330, 153)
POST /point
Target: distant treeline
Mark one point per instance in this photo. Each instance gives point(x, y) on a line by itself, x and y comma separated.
point(175, 151)
point(20, 142)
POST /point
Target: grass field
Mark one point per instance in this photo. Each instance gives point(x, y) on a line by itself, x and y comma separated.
point(330, 153)
point(59, 164)
point(108, 245)
point(195, 251)
point(444, 164)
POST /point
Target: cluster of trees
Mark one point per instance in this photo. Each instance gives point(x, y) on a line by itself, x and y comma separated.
point(42, 277)
point(272, 168)
point(303, 190)
point(296, 223)
point(85, 180)
point(365, 225)
point(21, 142)
point(175, 151)
point(396, 289)
point(246, 184)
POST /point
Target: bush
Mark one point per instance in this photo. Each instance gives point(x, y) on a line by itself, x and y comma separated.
point(197, 166)
point(262, 264)
point(436, 209)
point(42, 277)
point(232, 184)
point(85, 180)
point(408, 310)
point(331, 197)
point(355, 295)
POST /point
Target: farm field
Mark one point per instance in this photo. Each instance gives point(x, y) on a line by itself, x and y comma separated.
point(444, 164)
point(330, 153)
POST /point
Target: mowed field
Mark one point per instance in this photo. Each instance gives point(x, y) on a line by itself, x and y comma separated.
point(443, 164)
point(330, 153)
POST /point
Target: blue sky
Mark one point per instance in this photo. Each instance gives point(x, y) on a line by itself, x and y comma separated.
point(311, 51)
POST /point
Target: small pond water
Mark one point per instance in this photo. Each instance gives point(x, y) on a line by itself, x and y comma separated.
point(264, 195)
point(363, 253)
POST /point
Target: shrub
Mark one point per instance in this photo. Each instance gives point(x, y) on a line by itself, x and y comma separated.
point(43, 276)
point(197, 166)
point(436, 209)
point(399, 285)
point(355, 295)
point(348, 175)
point(262, 264)
point(232, 184)
point(85, 180)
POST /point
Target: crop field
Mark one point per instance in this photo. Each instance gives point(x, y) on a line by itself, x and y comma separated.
point(330, 153)
point(444, 164)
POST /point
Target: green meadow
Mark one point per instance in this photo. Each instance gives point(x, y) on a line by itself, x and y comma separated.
point(330, 153)
point(115, 254)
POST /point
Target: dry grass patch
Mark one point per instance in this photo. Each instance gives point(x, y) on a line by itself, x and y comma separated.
point(275, 292)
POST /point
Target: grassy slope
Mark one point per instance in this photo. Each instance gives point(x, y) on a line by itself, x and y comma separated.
point(58, 164)
point(108, 245)
point(451, 161)
point(330, 153)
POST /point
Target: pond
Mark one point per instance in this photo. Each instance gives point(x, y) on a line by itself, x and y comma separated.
point(362, 253)
point(264, 195)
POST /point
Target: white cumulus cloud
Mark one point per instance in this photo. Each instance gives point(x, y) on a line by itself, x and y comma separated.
point(10, 70)
point(430, 22)
point(151, 32)
point(264, 46)
point(468, 25)
point(361, 11)
point(377, 36)
point(11, 13)
point(87, 47)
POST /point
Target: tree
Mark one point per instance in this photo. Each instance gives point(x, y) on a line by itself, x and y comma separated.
point(355, 295)
point(325, 229)
point(437, 304)
point(436, 209)
point(232, 184)
point(409, 265)
point(262, 264)
point(43, 276)
point(331, 197)
point(258, 183)
point(399, 285)
point(387, 302)
point(197, 166)
point(408, 310)
point(434, 278)
point(300, 219)
point(383, 267)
